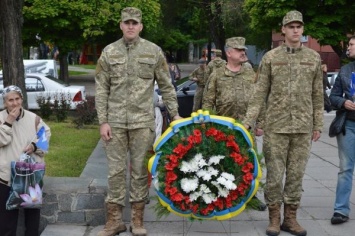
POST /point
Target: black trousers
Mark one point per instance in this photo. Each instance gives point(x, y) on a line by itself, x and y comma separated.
point(9, 218)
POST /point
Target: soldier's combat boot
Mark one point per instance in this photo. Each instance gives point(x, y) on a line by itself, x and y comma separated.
point(290, 223)
point(137, 214)
point(114, 224)
point(273, 228)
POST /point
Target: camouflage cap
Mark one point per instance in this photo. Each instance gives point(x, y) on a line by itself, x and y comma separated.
point(292, 16)
point(236, 42)
point(218, 52)
point(131, 13)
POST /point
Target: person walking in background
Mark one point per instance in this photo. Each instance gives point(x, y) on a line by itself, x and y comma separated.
point(199, 75)
point(217, 62)
point(125, 75)
point(290, 82)
point(326, 84)
point(342, 96)
point(18, 131)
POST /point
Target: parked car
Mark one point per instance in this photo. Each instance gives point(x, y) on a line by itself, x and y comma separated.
point(185, 96)
point(41, 85)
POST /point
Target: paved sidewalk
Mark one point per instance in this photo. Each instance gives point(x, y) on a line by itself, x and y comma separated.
point(314, 214)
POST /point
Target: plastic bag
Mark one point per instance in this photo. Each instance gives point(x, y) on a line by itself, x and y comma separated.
point(26, 184)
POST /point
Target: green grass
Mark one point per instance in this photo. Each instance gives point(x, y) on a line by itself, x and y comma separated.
point(86, 66)
point(71, 72)
point(69, 148)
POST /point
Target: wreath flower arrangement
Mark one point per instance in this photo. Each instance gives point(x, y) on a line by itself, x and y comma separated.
point(205, 167)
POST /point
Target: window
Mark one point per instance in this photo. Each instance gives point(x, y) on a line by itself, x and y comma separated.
point(34, 85)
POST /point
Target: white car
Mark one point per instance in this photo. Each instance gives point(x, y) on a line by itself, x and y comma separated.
point(41, 85)
point(331, 78)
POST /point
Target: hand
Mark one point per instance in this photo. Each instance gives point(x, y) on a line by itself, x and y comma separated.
point(177, 117)
point(349, 105)
point(29, 149)
point(259, 132)
point(13, 114)
point(316, 135)
point(105, 132)
point(247, 127)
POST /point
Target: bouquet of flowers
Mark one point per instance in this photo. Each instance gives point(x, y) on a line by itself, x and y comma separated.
point(205, 167)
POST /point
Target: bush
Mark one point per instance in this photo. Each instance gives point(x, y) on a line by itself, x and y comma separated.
point(45, 107)
point(59, 106)
point(86, 113)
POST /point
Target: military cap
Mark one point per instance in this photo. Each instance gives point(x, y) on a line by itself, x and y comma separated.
point(218, 52)
point(131, 13)
point(236, 42)
point(292, 16)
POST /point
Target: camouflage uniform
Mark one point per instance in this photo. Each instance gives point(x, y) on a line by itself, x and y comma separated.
point(228, 93)
point(125, 76)
point(201, 75)
point(290, 81)
point(215, 64)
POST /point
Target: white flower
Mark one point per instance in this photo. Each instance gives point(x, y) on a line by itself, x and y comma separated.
point(226, 182)
point(189, 185)
point(222, 192)
point(202, 163)
point(193, 196)
point(214, 160)
point(228, 176)
point(206, 172)
point(230, 185)
point(188, 167)
point(209, 198)
point(204, 188)
point(212, 171)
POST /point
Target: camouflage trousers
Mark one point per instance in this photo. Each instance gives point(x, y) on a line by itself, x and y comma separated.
point(285, 154)
point(127, 145)
point(198, 98)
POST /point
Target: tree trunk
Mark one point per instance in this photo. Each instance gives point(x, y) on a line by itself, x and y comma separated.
point(64, 72)
point(11, 22)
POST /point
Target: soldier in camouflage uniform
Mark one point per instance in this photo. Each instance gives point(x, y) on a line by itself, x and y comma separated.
point(290, 81)
point(230, 87)
point(125, 76)
point(217, 62)
point(200, 76)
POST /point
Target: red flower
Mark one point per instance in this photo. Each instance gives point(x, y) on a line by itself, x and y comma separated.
point(247, 167)
point(180, 149)
point(171, 165)
point(234, 145)
point(219, 203)
point(194, 208)
point(211, 132)
point(170, 176)
point(172, 158)
point(171, 190)
point(237, 158)
point(197, 132)
point(177, 197)
point(248, 177)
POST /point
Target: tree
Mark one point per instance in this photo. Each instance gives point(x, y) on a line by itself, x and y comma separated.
point(71, 24)
point(328, 21)
point(11, 44)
